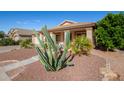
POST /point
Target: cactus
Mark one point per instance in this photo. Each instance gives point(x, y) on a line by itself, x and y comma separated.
point(52, 57)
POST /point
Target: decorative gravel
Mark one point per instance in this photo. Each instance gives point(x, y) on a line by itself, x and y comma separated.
point(19, 54)
point(85, 68)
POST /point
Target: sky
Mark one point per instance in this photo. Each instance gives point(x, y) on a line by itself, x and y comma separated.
point(37, 19)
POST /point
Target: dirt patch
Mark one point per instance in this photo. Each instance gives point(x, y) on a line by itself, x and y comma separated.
point(19, 54)
point(85, 68)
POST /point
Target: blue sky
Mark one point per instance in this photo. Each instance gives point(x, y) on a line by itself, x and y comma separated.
point(36, 19)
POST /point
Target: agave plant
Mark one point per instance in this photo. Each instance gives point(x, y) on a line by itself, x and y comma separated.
point(52, 56)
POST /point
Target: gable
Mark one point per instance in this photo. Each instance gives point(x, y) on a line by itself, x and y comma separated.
point(66, 23)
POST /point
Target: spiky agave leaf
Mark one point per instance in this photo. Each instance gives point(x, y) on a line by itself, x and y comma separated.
point(51, 43)
point(67, 39)
point(49, 39)
point(39, 40)
point(67, 42)
point(43, 60)
point(52, 57)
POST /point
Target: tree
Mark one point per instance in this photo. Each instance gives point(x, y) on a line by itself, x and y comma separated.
point(2, 34)
point(110, 32)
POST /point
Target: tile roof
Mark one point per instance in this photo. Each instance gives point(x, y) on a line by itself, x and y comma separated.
point(21, 31)
point(74, 25)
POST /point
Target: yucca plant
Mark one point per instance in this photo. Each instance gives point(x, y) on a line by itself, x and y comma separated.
point(51, 55)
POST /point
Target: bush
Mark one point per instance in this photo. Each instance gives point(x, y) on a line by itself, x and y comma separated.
point(2, 34)
point(110, 32)
point(26, 43)
point(6, 41)
point(81, 45)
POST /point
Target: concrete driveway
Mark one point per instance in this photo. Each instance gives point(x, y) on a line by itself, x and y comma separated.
point(8, 48)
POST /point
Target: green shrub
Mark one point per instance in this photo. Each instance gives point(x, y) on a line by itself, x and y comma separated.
point(2, 34)
point(110, 32)
point(51, 56)
point(26, 43)
point(6, 42)
point(1, 43)
point(81, 45)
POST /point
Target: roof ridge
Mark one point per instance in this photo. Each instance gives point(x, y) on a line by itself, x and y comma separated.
point(67, 21)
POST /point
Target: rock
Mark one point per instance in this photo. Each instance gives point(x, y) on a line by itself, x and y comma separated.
point(109, 75)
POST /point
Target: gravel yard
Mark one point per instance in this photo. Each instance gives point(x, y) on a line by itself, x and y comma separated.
point(85, 68)
point(19, 54)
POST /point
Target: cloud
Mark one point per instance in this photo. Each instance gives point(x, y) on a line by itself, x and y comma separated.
point(22, 22)
point(28, 21)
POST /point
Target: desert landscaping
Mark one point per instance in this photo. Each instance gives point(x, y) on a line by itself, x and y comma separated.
point(83, 68)
point(71, 51)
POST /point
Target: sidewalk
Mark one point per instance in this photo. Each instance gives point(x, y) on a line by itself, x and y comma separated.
point(9, 67)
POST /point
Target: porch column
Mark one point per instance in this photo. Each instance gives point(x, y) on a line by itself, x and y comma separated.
point(89, 34)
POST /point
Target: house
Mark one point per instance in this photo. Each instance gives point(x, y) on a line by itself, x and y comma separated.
point(76, 29)
point(20, 34)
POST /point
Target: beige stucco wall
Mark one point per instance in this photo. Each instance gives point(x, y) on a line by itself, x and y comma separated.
point(35, 40)
point(89, 34)
point(23, 37)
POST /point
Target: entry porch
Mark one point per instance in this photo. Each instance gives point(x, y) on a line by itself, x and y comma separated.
point(76, 29)
point(60, 35)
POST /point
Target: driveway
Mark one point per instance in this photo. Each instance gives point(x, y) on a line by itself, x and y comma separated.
point(8, 48)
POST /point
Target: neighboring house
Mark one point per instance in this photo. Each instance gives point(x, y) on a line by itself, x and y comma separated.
point(20, 34)
point(76, 29)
